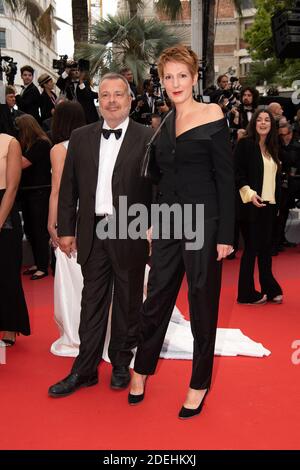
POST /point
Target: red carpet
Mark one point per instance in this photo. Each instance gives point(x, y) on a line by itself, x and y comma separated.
point(253, 404)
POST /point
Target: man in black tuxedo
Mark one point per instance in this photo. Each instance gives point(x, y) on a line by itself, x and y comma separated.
point(103, 163)
point(28, 100)
point(76, 88)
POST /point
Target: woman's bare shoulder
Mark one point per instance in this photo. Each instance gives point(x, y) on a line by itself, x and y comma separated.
point(209, 112)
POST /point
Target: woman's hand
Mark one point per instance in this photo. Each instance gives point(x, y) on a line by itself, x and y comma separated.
point(257, 201)
point(54, 240)
point(223, 251)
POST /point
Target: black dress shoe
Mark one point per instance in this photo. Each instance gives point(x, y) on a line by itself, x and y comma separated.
point(120, 377)
point(70, 384)
point(186, 413)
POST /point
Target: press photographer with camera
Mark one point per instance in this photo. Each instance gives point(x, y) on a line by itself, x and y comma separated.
point(146, 104)
point(10, 99)
point(241, 115)
point(74, 84)
point(28, 100)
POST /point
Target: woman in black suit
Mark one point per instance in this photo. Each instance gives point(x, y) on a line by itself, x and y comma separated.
point(194, 156)
point(258, 182)
point(48, 97)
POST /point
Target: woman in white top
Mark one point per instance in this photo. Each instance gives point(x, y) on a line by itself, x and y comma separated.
point(68, 116)
point(258, 170)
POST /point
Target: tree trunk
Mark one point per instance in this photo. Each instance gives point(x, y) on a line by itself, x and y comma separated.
point(133, 7)
point(80, 22)
point(210, 70)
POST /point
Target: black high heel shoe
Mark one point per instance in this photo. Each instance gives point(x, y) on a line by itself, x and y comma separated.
point(135, 399)
point(186, 413)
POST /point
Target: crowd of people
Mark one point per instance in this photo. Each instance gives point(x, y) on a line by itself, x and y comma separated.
point(64, 166)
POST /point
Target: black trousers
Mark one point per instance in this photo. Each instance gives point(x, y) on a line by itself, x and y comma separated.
point(35, 208)
point(101, 276)
point(170, 260)
point(257, 236)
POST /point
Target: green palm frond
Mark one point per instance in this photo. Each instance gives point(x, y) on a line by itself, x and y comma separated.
point(172, 8)
point(121, 40)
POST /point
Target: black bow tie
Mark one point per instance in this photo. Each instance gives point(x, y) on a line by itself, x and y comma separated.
point(106, 133)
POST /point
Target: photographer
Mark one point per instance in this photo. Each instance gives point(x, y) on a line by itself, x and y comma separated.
point(28, 100)
point(242, 114)
point(146, 104)
point(76, 87)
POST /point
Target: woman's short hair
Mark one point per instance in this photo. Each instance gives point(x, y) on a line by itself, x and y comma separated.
point(68, 115)
point(178, 53)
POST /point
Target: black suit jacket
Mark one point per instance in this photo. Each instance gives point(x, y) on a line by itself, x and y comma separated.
point(202, 173)
point(250, 171)
point(29, 102)
point(79, 182)
point(46, 105)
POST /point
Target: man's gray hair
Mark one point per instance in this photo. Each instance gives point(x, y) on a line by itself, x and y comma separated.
point(115, 76)
point(286, 125)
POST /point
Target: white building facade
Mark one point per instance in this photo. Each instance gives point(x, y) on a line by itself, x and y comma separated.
point(18, 40)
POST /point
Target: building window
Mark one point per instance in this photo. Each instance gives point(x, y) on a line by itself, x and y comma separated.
point(247, 26)
point(48, 59)
point(41, 56)
point(2, 38)
point(1, 8)
point(246, 4)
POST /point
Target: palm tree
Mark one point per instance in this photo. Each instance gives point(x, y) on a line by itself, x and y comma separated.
point(41, 20)
point(80, 23)
point(135, 41)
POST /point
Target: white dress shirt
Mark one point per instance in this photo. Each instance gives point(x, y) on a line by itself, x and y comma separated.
point(109, 150)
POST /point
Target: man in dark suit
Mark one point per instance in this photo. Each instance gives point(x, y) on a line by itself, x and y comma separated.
point(73, 84)
point(28, 100)
point(103, 163)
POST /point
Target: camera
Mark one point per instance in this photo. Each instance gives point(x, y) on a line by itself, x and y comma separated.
point(62, 63)
point(154, 75)
point(9, 67)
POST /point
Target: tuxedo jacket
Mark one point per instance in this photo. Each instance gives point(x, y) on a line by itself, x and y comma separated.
point(29, 102)
point(250, 171)
point(79, 183)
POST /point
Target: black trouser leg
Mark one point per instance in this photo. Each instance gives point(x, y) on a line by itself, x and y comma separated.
point(164, 282)
point(204, 282)
point(126, 312)
point(95, 303)
point(35, 214)
point(246, 286)
point(268, 283)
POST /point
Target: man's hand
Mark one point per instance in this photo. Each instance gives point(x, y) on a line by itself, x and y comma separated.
point(223, 251)
point(68, 245)
point(149, 239)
